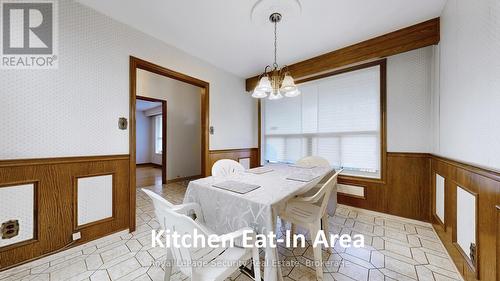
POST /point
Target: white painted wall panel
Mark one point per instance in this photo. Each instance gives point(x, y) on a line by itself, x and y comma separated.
point(409, 92)
point(466, 219)
point(95, 198)
point(74, 110)
point(440, 197)
point(351, 189)
point(17, 203)
point(245, 162)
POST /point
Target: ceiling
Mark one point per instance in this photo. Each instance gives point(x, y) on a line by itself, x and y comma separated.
point(142, 105)
point(223, 33)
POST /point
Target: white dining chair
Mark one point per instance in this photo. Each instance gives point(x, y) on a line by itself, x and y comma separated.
point(310, 213)
point(201, 263)
point(313, 161)
point(226, 167)
point(320, 162)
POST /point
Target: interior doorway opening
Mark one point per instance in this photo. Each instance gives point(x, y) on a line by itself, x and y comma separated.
point(138, 68)
point(151, 141)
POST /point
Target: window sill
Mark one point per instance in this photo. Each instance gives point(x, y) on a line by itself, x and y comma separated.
point(360, 179)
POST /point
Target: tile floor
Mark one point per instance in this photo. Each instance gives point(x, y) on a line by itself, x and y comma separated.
point(396, 249)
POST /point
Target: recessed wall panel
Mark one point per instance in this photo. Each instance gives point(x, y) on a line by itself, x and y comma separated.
point(17, 202)
point(95, 199)
point(439, 197)
point(245, 162)
point(358, 191)
point(466, 219)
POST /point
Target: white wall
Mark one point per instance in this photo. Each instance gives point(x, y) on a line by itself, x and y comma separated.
point(409, 96)
point(469, 96)
point(143, 138)
point(183, 122)
point(74, 110)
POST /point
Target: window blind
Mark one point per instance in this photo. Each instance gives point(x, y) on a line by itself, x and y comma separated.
point(337, 117)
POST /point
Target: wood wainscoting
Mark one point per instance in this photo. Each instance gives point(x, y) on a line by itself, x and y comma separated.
point(485, 185)
point(55, 200)
point(409, 191)
point(234, 154)
point(405, 191)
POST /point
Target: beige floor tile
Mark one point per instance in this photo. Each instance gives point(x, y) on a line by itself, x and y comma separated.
point(123, 268)
point(395, 249)
point(93, 262)
point(100, 275)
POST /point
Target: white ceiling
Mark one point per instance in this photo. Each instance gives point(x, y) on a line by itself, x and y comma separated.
point(222, 32)
point(142, 105)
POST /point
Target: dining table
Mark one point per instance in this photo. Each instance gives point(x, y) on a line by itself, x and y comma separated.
point(226, 211)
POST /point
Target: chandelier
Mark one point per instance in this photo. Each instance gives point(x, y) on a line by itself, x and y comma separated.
point(275, 82)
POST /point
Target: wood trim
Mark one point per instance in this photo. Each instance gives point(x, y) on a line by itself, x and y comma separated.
point(259, 132)
point(137, 63)
point(236, 150)
point(483, 171)
point(36, 224)
point(185, 179)
point(60, 160)
point(410, 38)
point(163, 135)
point(154, 165)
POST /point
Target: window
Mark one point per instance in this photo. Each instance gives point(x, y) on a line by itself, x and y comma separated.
point(337, 117)
point(158, 134)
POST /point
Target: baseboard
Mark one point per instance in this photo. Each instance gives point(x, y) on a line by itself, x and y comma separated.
point(143, 165)
point(184, 179)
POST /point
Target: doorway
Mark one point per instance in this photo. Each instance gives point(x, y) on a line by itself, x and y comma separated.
point(151, 140)
point(139, 64)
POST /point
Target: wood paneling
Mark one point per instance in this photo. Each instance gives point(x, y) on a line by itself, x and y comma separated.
point(55, 201)
point(485, 184)
point(400, 41)
point(409, 191)
point(234, 154)
point(405, 192)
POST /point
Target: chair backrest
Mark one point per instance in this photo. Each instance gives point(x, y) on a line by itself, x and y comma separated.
point(182, 224)
point(323, 194)
point(226, 167)
point(314, 161)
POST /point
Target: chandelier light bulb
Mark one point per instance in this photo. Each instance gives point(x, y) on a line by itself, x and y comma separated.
point(281, 82)
point(259, 94)
point(264, 85)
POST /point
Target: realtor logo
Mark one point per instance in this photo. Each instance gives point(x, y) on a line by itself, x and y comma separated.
point(29, 33)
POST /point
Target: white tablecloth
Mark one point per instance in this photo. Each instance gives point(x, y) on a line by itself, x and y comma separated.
point(225, 211)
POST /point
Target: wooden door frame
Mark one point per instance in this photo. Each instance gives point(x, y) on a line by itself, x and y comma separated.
point(136, 63)
point(163, 134)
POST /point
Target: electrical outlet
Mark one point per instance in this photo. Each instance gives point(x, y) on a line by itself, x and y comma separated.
point(9, 229)
point(76, 236)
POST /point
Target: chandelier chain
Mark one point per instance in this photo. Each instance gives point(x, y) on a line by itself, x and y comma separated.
point(275, 44)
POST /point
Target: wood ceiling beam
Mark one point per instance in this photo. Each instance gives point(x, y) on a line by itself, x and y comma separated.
point(410, 38)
